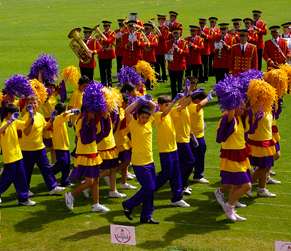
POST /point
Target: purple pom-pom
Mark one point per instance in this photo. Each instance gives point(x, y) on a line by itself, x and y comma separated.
point(18, 85)
point(128, 75)
point(93, 98)
point(46, 65)
point(229, 93)
point(246, 77)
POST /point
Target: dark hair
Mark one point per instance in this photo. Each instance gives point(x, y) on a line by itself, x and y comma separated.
point(127, 88)
point(83, 80)
point(164, 99)
point(144, 110)
point(8, 108)
point(200, 96)
point(60, 108)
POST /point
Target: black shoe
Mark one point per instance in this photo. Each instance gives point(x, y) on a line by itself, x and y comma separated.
point(149, 221)
point(127, 212)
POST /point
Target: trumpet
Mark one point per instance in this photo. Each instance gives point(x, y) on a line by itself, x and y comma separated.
point(156, 29)
point(78, 46)
point(141, 30)
point(97, 33)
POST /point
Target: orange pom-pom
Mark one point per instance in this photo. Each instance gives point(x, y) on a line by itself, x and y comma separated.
point(71, 74)
point(261, 95)
point(39, 90)
point(146, 71)
point(278, 79)
point(287, 69)
point(113, 98)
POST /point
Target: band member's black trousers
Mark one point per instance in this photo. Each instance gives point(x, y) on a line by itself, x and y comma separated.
point(89, 72)
point(219, 73)
point(205, 62)
point(260, 58)
point(118, 63)
point(105, 66)
point(210, 66)
point(160, 66)
point(194, 70)
point(176, 78)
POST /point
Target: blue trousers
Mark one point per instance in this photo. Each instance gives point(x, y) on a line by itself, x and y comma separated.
point(15, 173)
point(199, 155)
point(170, 171)
point(147, 178)
point(62, 165)
point(39, 157)
point(187, 161)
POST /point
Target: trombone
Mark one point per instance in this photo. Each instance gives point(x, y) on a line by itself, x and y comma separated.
point(97, 33)
point(156, 28)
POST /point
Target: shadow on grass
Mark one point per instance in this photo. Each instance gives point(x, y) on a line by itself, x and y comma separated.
point(186, 223)
point(104, 230)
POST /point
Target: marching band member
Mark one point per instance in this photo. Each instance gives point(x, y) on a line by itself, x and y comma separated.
point(106, 54)
point(194, 58)
point(252, 33)
point(176, 56)
point(287, 36)
point(244, 55)
point(236, 22)
point(222, 46)
point(261, 29)
point(118, 43)
point(173, 24)
point(276, 51)
point(214, 31)
point(161, 50)
point(205, 34)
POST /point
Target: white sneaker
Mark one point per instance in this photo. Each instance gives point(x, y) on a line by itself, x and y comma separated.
point(30, 194)
point(0, 201)
point(27, 203)
point(69, 200)
point(240, 205)
point(180, 203)
point(273, 173)
point(107, 180)
point(187, 191)
point(249, 193)
point(128, 186)
point(239, 218)
point(219, 197)
point(116, 194)
point(229, 212)
point(130, 176)
point(264, 192)
point(201, 181)
point(56, 190)
point(100, 208)
point(273, 181)
point(86, 193)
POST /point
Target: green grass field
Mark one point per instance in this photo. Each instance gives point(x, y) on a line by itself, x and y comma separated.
point(30, 27)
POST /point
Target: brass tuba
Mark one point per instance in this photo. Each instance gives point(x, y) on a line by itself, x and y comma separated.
point(78, 46)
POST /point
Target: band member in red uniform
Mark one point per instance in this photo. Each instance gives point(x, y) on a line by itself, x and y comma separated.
point(132, 45)
point(133, 16)
point(149, 49)
point(252, 33)
point(176, 57)
point(205, 34)
point(194, 58)
point(173, 24)
point(160, 66)
point(287, 36)
point(118, 43)
point(261, 29)
point(276, 51)
point(107, 53)
point(222, 46)
point(236, 22)
point(214, 31)
point(244, 55)
point(94, 46)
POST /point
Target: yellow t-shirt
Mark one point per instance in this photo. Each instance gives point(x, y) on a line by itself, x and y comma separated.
point(34, 140)
point(236, 140)
point(11, 150)
point(81, 148)
point(76, 99)
point(122, 141)
point(181, 121)
point(264, 129)
point(49, 106)
point(141, 139)
point(166, 134)
point(60, 132)
point(107, 142)
point(196, 120)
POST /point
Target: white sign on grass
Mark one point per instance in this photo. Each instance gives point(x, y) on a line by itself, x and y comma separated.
point(282, 246)
point(122, 234)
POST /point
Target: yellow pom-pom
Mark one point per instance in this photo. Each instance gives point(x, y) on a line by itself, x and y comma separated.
point(71, 74)
point(145, 70)
point(278, 79)
point(39, 90)
point(261, 95)
point(1, 97)
point(113, 98)
point(287, 69)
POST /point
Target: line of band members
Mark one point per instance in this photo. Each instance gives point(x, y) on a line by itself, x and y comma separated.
point(207, 51)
